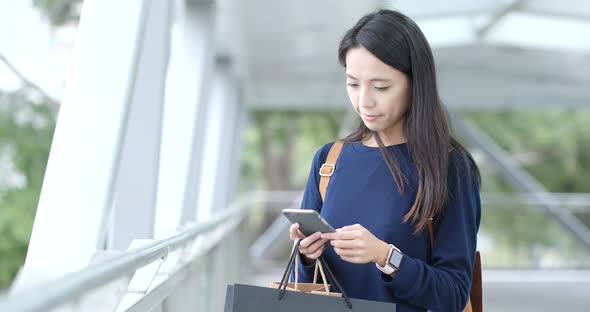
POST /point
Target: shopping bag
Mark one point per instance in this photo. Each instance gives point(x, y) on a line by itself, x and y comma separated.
point(248, 298)
point(314, 287)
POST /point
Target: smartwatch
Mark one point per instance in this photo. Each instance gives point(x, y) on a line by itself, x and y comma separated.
point(394, 259)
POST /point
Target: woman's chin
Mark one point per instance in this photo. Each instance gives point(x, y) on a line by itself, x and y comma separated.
point(372, 127)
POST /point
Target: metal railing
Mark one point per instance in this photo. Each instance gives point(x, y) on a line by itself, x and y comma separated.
point(67, 292)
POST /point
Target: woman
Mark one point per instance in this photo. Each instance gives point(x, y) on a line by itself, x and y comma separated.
point(400, 168)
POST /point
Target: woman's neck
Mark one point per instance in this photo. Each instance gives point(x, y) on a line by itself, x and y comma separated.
point(387, 140)
point(392, 137)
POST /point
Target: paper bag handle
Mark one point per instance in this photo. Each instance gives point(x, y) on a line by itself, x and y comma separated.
point(322, 261)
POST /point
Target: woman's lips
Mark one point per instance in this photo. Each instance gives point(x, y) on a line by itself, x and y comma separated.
point(369, 117)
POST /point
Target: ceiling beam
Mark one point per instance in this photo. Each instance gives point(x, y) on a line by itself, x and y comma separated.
point(561, 15)
point(497, 17)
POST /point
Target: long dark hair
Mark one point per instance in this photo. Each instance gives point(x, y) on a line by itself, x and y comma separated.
point(397, 41)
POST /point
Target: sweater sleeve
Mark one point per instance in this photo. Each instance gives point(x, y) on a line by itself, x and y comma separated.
point(445, 284)
point(312, 200)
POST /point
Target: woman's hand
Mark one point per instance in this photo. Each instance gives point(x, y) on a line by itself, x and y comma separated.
point(355, 244)
point(311, 247)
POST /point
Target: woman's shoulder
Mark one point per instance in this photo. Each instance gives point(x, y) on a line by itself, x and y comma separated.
point(462, 166)
point(326, 147)
point(322, 152)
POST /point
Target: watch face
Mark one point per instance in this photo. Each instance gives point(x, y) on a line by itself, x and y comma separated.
point(395, 259)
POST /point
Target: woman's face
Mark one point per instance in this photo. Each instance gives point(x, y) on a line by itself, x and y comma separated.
point(379, 93)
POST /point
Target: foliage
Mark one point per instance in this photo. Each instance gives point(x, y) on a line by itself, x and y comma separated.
point(59, 12)
point(554, 145)
point(26, 130)
point(272, 130)
point(278, 148)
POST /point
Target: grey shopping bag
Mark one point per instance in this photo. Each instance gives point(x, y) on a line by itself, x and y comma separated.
point(247, 298)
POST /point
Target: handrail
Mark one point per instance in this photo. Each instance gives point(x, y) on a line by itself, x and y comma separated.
point(64, 289)
point(61, 290)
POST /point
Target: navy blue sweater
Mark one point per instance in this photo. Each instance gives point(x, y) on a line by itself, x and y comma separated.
point(362, 190)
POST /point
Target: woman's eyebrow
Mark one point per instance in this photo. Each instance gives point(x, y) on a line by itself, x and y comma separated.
point(381, 79)
point(374, 79)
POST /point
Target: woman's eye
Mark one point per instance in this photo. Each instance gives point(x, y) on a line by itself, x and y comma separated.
point(381, 88)
point(353, 85)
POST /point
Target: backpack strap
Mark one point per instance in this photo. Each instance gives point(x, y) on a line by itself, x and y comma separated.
point(431, 233)
point(328, 168)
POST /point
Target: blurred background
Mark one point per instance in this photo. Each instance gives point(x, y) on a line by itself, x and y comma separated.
point(148, 146)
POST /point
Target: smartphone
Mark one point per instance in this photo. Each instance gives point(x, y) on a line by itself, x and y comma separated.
point(309, 221)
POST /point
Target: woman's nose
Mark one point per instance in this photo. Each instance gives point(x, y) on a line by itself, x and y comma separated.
point(366, 100)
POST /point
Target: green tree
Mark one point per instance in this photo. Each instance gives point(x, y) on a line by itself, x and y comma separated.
point(27, 122)
point(26, 131)
point(553, 145)
point(278, 148)
point(59, 12)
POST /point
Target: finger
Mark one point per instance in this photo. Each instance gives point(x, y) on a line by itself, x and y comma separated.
point(352, 259)
point(294, 232)
point(347, 244)
point(296, 235)
point(342, 235)
point(316, 254)
point(346, 252)
point(301, 235)
point(351, 227)
point(306, 242)
point(314, 246)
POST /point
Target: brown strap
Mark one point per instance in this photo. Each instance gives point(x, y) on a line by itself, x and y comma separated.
point(329, 167)
point(469, 306)
point(476, 296)
point(431, 233)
